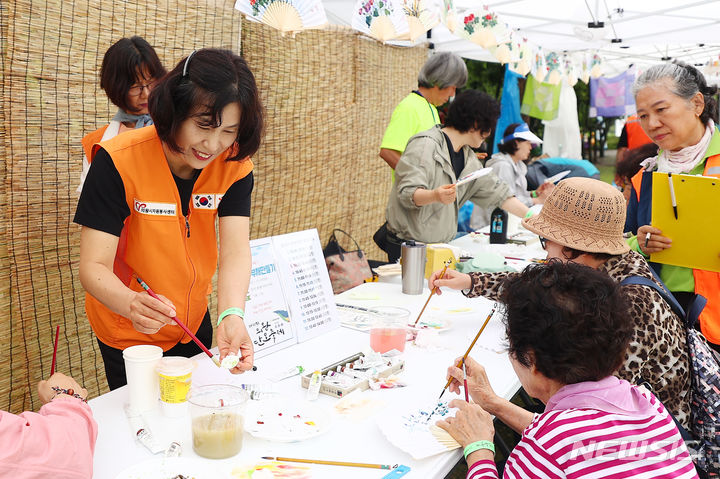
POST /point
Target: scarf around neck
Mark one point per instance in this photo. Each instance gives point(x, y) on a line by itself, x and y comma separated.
point(140, 120)
point(611, 395)
point(684, 160)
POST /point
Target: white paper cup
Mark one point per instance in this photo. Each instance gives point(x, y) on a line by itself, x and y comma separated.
point(142, 380)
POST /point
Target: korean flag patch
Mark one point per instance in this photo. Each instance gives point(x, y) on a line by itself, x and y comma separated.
point(204, 201)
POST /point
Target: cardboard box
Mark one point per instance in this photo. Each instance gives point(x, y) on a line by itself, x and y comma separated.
point(437, 255)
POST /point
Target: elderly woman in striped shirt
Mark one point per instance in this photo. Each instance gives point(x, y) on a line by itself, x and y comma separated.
point(568, 328)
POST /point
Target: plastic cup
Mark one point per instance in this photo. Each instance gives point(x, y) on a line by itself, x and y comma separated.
point(217, 420)
point(142, 380)
point(389, 330)
point(175, 378)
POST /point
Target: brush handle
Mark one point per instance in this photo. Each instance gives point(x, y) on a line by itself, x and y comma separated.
point(442, 273)
point(330, 463)
point(57, 335)
point(179, 323)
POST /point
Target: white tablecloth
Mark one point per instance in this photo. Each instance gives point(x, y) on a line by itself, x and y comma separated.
point(425, 370)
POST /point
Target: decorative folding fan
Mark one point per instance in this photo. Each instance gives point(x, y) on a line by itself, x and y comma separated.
point(482, 27)
point(596, 66)
point(552, 60)
point(448, 15)
point(522, 64)
point(712, 67)
point(381, 19)
point(285, 15)
point(585, 74)
point(420, 18)
point(570, 70)
point(539, 68)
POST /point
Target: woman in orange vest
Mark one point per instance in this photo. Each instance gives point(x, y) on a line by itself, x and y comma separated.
point(129, 70)
point(149, 208)
point(678, 112)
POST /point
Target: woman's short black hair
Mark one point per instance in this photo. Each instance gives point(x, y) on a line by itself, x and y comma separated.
point(509, 147)
point(473, 109)
point(213, 79)
point(630, 164)
point(570, 321)
point(125, 62)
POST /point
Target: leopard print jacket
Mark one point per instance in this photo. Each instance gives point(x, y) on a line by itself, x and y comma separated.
point(657, 353)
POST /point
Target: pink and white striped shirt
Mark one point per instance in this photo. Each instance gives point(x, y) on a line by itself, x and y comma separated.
point(592, 443)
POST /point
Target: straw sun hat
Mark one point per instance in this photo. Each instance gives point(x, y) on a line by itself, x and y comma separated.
point(584, 214)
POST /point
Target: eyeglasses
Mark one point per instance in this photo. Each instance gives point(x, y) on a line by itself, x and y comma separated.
point(136, 90)
point(543, 242)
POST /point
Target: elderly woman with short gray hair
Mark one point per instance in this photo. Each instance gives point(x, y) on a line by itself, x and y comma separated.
point(442, 73)
point(678, 111)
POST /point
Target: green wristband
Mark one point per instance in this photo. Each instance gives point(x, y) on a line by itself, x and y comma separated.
point(534, 194)
point(237, 311)
point(477, 445)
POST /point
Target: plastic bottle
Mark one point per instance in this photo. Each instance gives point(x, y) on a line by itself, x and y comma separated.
point(498, 226)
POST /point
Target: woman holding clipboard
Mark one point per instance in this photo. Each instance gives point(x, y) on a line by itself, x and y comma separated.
point(678, 112)
point(148, 210)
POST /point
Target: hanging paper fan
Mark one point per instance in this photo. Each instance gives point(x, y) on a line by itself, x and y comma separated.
point(585, 66)
point(712, 67)
point(285, 15)
point(482, 28)
point(383, 20)
point(570, 70)
point(522, 65)
point(419, 17)
point(552, 60)
point(596, 66)
point(506, 50)
point(539, 68)
point(448, 15)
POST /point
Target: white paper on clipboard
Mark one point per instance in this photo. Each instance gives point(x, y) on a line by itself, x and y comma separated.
point(558, 177)
point(473, 176)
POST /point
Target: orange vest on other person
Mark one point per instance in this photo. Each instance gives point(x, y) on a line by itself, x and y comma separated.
point(707, 283)
point(175, 260)
point(90, 140)
point(636, 136)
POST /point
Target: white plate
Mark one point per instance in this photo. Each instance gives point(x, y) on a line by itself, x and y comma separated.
point(170, 467)
point(284, 421)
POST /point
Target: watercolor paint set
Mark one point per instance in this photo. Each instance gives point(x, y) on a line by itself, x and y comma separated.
point(354, 372)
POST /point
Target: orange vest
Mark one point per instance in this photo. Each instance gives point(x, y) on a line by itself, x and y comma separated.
point(707, 283)
point(90, 140)
point(156, 244)
point(636, 136)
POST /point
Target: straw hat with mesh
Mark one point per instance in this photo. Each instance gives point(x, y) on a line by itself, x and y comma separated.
point(584, 214)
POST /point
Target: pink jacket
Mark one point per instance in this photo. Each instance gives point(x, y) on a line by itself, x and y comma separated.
point(58, 441)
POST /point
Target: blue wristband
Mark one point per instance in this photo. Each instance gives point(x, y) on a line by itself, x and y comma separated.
point(237, 311)
point(477, 445)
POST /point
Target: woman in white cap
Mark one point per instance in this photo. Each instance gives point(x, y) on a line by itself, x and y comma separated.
point(582, 221)
point(509, 165)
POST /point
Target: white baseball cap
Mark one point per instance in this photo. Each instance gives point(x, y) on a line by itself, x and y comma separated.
point(522, 132)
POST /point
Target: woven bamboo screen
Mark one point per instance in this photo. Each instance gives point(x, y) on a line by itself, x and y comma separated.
point(328, 95)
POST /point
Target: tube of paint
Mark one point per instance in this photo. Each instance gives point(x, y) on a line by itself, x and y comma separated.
point(294, 371)
point(314, 386)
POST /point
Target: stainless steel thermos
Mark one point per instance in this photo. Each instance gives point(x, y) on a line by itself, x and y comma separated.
point(413, 256)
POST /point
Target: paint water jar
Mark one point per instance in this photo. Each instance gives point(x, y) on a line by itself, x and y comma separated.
point(389, 329)
point(217, 420)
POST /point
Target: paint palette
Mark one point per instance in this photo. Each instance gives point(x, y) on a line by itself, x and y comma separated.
point(284, 421)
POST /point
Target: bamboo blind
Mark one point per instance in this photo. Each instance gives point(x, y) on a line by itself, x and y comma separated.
point(328, 95)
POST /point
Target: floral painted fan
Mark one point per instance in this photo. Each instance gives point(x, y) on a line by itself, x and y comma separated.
point(288, 16)
point(483, 28)
point(552, 60)
point(448, 15)
point(383, 20)
point(420, 18)
point(522, 63)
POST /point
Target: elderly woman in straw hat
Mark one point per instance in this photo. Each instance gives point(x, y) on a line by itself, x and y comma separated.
point(582, 221)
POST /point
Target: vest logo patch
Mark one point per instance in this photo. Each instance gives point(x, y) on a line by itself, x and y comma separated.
point(206, 201)
point(156, 209)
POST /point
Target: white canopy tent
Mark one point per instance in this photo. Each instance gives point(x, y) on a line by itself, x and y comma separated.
point(635, 32)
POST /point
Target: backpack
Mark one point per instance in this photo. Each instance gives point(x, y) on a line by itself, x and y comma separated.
point(705, 380)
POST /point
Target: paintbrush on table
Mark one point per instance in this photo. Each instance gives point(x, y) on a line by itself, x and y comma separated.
point(462, 361)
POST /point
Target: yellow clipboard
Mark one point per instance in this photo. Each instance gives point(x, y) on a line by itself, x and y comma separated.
point(695, 234)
